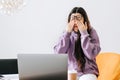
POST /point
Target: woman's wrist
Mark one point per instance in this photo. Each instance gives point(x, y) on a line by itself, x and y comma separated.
point(68, 30)
point(84, 32)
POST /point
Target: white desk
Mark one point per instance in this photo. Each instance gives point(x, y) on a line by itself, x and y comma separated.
point(10, 77)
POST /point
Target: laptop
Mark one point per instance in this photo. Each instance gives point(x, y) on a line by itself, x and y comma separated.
point(42, 66)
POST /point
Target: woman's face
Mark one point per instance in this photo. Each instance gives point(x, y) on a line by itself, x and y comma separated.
point(76, 17)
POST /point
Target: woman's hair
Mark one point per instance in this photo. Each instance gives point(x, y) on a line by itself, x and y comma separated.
point(78, 52)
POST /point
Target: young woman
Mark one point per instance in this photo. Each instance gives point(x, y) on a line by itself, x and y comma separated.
point(80, 41)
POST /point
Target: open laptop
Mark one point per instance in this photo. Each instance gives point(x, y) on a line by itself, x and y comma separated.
point(42, 66)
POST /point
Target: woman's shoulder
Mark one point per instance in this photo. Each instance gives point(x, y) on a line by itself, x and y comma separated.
point(92, 30)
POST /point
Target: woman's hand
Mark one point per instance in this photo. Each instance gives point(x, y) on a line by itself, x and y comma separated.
point(81, 26)
point(69, 28)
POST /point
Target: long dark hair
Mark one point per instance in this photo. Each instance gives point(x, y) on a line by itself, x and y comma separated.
point(78, 52)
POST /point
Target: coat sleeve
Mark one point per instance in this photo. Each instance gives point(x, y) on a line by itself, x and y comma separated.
point(63, 43)
point(90, 44)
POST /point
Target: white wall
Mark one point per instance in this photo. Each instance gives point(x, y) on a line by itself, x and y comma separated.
point(37, 27)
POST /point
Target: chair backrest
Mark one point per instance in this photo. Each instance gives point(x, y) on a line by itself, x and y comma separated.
point(8, 66)
point(108, 65)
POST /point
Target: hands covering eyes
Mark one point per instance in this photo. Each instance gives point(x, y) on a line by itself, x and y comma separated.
point(79, 24)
